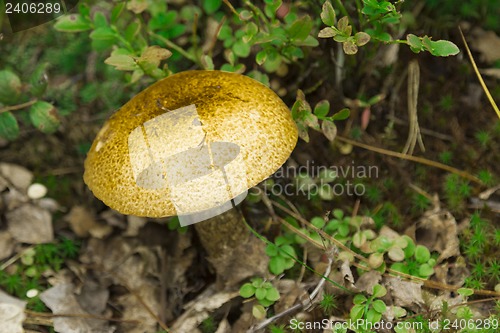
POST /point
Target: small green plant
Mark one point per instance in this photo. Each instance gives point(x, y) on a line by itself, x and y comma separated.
point(456, 191)
point(265, 293)
point(26, 280)
point(376, 18)
point(282, 255)
point(173, 224)
point(208, 325)
point(306, 117)
point(328, 303)
point(369, 308)
point(25, 97)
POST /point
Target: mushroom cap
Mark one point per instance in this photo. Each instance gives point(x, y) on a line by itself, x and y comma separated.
point(183, 143)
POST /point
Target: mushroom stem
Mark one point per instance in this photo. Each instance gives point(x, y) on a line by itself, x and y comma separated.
point(223, 232)
point(233, 251)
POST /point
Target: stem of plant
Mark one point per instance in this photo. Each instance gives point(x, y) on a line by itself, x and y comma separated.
point(18, 106)
point(175, 47)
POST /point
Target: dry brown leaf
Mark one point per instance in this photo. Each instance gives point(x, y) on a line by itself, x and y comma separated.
point(200, 308)
point(83, 223)
point(437, 230)
point(487, 43)
point(405, 294)
point(30, 224)
point(61, 300)
point(11, 314)
point(368, 280)
point(6, 245)
point(16, 175)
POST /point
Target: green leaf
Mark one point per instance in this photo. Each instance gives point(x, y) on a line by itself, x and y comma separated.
point(241, 49)
point(287, 251)
point(39, 80)
point(247, 290)
point(341, 115)
point(400, 267)
point(379, 306)
point(207, 62)
point(261, 57)
point(373, 316)
point(357, 312)
point(211, 6)
point(132, 30)
point(100, 20)
point(300, 29)
point(44, 116)
point(122, 62)
point(309, 41)
point(272, 294)
point(116, 12)
point(260, 293)
point(9, 129)
point(422, 254)
point(443, 48)
point(245, 15)
point(318, 222)
point(425, 270)
point(103, 33)
point(328, 14)
point(379, 291)
point(10, 87)
point(72, 23)
point(272, 250)
point(359, 299)
point(415, 43)
point(465, 292)
point(277, 265)
point(322, 108)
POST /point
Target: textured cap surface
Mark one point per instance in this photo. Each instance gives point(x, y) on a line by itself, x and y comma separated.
point(189, 142)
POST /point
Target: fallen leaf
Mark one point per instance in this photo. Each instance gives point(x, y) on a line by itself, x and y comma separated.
point(61, 300)
point(11, 314)
point(30, 224)
point(83, 223)
point(487, 43)
point(6, 245)
point(18, 176)
point(437, 230)
point(405, 294)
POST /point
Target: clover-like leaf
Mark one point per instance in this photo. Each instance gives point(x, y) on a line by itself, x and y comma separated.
point(44, 116)
point(247, 290)
point(328, 14)
point(9, 129)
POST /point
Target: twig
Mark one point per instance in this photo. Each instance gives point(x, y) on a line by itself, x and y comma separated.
point(479, 77)
point(78, 315)
point(231, 7)
point(417, 159)
point(297, 306)
point(414, 130)
point(14, 258)
point(18, 106)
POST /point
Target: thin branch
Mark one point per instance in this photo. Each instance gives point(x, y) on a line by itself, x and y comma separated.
point(18, 106)
point(479, 77)
point(417, 159)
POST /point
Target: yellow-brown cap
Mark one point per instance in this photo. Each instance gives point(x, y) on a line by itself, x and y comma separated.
point(153, 156)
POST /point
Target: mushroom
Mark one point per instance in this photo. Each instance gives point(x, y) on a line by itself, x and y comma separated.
point(191, 145)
